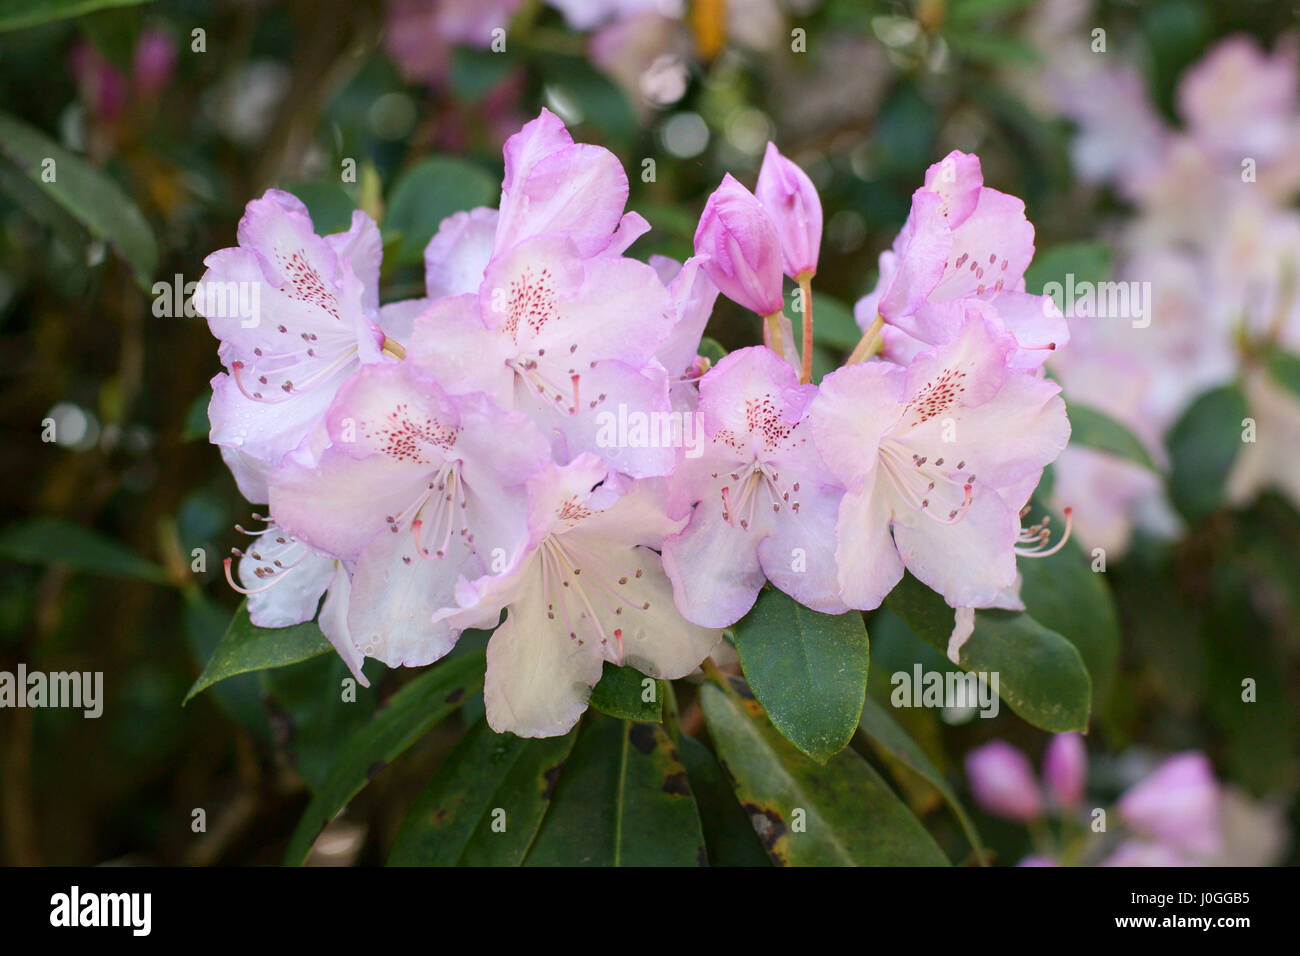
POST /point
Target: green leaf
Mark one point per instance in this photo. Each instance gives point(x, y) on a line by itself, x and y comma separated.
point(429, 192)
point(999, 49)
point(241, 698)
point(1064, 594)
point(969, 12)
point(475, 73)
point(84, 191)
point(46, 540)
point(1084, 261)
point(806, 814)
point(114, 33)
point(246, 647)
point(1285, 369)
point(310, 715)
point(621, 693)
point(38, 204)
point(879, 725)
point(197, 424)
point(399, 723)
point(809, 670)
point(15, 14)
point(624, 800)
point(729, 838)
point(1041, 675)
point(712, 350)
point(328, 203)
point(1203, 444)
point(488, 779)
point(1096, 429)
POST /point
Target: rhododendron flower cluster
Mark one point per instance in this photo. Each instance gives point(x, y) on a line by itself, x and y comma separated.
point(446, 463)
point(1215, 236)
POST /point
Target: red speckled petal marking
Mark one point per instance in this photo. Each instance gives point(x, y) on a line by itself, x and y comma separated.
point(404, 437)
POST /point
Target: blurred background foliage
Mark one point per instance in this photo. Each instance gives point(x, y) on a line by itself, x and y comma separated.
point(292, 94)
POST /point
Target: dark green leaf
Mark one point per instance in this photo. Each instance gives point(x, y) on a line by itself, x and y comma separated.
point(15, 14)
point(399, 723)
point(485, 803)
point(1063, 593)
point(879, 725)
point(197, 424)
point(1203, 444)
point(114, 33)
point(712, 350)
point(85, 192)
point(240, 697)
point(429, 192)
point(623, 800)
point(315, 705)
point(808, 670)
point(1071, 263)
point(833, 324)
point(729, 838)
point(45, 540)
point(246, 647)
point(806, 814)
point(328, 203)
point(1096, 429)
point(1285, 369)
point(1041, 675)
point(622, 693)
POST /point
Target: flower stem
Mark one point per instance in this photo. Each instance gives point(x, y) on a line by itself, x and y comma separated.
point(805, 288)
point(772, 329)
point(870, 343)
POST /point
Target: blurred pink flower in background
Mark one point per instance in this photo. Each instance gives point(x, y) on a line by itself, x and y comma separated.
point(107, 91)
point(1002, 782)
point(1065, 769)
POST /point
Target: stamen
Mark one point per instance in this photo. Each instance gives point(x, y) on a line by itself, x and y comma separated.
point(243, 590)
point(1035, 538)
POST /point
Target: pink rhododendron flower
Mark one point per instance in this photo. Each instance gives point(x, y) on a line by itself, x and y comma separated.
point(297, 315)
point(1003, 783)
point(1240, 101)
point(741, 249)
point(963, 241)
point(560, 338)
point(764, 503)
point(588, 589)
point(1177, 805)
point(553, 185)
point(418, 488)
point(790, 199)
point(944, 452)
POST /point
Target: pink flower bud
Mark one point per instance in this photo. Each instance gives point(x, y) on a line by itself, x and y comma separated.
point(1002, 781)
point(1065, 768)
point(154, 64)
point(101, 85)
point(740, 248)
point(1177, 804)
point(788, 195)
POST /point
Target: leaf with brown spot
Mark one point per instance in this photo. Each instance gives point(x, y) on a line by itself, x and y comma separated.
point(488, 779)
point(624, 800)
point(850, 816)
